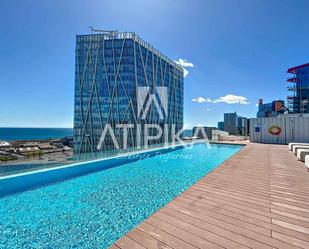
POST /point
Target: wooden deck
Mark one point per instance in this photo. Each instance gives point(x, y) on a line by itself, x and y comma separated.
point(259, 198)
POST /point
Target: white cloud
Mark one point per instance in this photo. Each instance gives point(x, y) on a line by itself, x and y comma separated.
point(201, 100)
point(232, 99)
point(208, 110)
point(184, 64)
point(185, 72)
point(256, 104)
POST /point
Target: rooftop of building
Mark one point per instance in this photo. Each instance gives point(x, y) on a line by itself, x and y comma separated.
point(295, 69)
point(129, 35)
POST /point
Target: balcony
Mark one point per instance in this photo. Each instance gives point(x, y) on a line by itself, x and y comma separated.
point(291, 88)
point(292, 79)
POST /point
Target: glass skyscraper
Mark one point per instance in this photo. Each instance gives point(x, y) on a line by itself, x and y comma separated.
point(111, 70)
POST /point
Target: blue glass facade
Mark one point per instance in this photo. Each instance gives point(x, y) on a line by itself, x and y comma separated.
point(299, 101)
point(230, 123)
point(271, 109)
point(110, 67)
point(221, 125)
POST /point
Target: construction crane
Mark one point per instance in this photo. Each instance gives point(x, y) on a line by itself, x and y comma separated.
point(102, 30)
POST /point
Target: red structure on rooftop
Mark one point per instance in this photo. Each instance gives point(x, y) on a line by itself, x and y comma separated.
point(294, 69)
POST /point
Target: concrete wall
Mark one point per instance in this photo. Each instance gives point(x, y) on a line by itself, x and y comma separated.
point(294, 128)
point(216, 134)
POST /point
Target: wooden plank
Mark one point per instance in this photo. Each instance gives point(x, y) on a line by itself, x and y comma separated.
point(165, 237)
point(127, 243)
point(146, 240)
point(259, 198)
point(206, 215)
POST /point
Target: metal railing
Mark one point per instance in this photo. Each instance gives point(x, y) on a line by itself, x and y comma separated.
point(33, 164)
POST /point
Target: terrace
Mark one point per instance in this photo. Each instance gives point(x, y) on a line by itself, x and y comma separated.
point(256, 199)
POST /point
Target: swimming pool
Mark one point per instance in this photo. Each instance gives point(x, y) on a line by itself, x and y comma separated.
point(94, 210)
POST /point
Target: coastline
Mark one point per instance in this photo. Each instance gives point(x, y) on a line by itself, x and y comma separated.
point(11, 134)
point(21, 155)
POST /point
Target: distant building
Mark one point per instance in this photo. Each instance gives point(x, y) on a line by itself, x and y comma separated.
point(235, 125)
point(242, 125)
point(221, 125)
point(68, 141)
point(4, 144)
point(231, 123)
point(298, 102)
point(248, 125)
point(271, 109)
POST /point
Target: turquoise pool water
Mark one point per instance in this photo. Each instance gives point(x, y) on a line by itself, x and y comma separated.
point(94, 210)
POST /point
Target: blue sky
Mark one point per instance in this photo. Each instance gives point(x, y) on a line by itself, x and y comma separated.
point(240, 48)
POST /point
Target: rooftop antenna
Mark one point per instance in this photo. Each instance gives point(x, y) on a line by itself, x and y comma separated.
point(101, 30)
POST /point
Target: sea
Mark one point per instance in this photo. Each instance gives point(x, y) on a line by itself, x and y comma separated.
point(187, 133)
point(12, 134)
